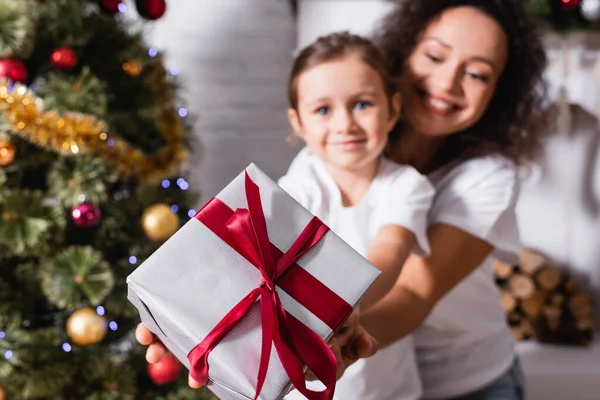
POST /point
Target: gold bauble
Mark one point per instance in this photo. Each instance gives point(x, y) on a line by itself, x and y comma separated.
point(159, 222)
point(132, 67)
point(2, 393)
point(85, 327)
point(7, 153)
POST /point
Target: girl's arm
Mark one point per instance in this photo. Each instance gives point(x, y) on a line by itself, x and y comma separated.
point(424, 281)
point(388, 252)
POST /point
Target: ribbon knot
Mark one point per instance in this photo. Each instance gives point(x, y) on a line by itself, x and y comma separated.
point(296, 344)
point(268, 283)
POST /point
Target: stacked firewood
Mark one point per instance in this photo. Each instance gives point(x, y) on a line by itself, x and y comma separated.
point(544, 303)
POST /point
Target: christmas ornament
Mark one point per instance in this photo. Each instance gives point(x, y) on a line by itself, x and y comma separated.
point(13, 69)
point(7, 152)
point(569, 4)
point(85, 327)
point(64, 58)
point(165, 371)
point(159, 222)
point(132, 68)
point(2, 393)
point(86, 215)
point(110, 6)
point(590, 10)
point(151, 9)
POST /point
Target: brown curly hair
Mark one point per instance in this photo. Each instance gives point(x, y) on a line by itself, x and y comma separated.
point(513, 123)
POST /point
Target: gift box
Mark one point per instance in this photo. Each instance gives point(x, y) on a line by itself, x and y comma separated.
point(247, 292)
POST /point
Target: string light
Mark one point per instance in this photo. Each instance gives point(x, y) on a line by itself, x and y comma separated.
point(174, 208)
point(152, 51)
point(100, 310)
point(113, 325)
point(182, 112)
point(166, 183)
point(8, 354)
point(174, 71)
point(122, 8)
point(2, 335)
point(132, 260)
point(66, 347)
point(191, 213)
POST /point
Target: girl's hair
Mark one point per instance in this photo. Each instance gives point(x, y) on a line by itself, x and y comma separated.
point(336, 46)
point(513, 123)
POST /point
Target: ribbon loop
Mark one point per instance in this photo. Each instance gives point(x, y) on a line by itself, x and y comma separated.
point(295, 343)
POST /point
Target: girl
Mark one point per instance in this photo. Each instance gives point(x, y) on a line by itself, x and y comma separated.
point(343, 104)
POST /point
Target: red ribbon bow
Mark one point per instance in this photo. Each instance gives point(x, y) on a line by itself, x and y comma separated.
point(295, 343)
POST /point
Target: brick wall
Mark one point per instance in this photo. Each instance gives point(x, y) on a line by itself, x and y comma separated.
point(233, 57)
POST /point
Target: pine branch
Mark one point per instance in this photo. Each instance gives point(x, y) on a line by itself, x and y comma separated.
point(74, 177)
point(75, 277)
point(115, 381)
point(17, 27)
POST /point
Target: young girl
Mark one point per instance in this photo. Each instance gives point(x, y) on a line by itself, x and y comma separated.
point(343, 104)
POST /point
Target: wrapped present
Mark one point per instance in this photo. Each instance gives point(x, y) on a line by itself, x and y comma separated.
point(247, 292)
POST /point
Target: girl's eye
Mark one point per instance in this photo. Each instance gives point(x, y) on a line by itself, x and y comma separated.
point(361, 105)
point(322, 110)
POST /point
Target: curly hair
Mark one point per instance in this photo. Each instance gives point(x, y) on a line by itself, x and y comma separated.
point(514, 122)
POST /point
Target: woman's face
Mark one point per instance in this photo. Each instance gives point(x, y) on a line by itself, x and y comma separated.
point(451, 75)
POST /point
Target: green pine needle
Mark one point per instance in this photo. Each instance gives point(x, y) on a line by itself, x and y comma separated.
point(75, 176)
point(75, 277)
point(84, 93)
point(26, 222)
point(17, 27)
point(116, 380)
point(48, 380)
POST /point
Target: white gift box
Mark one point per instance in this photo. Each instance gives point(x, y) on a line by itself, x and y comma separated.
point(195, 278)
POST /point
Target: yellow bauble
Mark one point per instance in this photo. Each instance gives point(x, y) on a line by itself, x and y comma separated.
point(85, 327)
point(7, 153)
point(159, 222)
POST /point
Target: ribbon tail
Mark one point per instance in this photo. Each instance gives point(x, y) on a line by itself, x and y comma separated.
point(269, 321)
point(296, 343)
point(198, 356)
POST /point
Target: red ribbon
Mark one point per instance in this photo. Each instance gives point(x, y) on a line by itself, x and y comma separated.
point(296, 344)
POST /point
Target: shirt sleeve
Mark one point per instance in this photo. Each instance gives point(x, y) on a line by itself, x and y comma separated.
point(406, 202)
point(480, 199)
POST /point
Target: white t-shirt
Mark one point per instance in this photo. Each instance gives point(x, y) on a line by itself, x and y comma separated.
point(465, 343)
point(399, 195)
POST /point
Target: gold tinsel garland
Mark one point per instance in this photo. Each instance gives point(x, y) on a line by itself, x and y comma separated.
point(73, 133)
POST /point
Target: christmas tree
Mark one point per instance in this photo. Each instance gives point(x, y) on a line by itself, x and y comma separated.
point(92, 139)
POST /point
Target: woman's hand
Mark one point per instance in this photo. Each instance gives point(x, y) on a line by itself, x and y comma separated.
point(349, 344)
point(156, 350)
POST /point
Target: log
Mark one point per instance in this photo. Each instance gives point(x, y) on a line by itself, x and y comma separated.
point(514, 319)
point(571, 285)
point(527, 328)
point(521, 286)
point(531, 261)
point(585, 324)
point(508, 301)
point(552, 313)
point(581, 305)
point(502, 270)
point(548, 278)
point(517, 333)
point(557, 299)
point(532, 306)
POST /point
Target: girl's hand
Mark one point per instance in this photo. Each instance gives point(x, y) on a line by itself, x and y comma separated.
point(156, 350)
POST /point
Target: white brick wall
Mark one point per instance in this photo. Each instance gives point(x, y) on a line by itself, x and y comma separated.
point(233, 57)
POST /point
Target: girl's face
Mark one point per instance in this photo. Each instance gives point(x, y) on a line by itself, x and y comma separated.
point(451, 75)
point(343, 113)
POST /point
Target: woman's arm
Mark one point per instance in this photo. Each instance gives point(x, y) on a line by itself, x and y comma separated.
point(388, 252)
point(423, 282)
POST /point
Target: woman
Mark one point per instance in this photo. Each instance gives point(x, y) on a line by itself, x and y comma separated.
point(471, 74)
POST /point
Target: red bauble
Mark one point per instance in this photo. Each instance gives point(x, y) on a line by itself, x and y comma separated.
point(165, 371)
point(13, 69)
point(151, 9)
point(64, 58)
point(570, 4)
point(110, 6)
point(86, 215)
